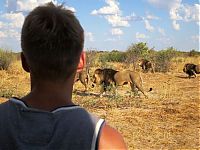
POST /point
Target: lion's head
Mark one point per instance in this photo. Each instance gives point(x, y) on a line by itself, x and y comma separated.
point(98, 76)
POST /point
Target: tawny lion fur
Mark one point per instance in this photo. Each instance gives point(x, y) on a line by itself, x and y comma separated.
point(107, 76)
point(83, 76)
point(146, 65)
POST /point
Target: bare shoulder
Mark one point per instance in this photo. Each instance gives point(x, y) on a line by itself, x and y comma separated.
point(111, 139)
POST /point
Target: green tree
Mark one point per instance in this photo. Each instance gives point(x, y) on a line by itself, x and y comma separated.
point(136, 51)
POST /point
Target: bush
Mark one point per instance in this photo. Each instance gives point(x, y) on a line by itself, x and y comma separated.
point(114, 56)
point(136, 51)
point(193, 53)
point(91, 58)
point(163, 59)
point(6, 58)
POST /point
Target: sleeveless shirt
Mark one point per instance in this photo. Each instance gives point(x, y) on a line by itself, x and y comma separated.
point(65, 128)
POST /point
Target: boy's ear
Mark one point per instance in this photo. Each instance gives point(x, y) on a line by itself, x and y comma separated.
point(82, 62)
point(24, 63)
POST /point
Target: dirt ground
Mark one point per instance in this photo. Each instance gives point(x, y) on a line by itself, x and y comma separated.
point(169, 119)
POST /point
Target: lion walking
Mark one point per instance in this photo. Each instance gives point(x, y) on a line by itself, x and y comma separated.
point(106, 77)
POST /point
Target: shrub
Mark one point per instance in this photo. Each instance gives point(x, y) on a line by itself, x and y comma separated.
point(91, 58)
point(114, 56)
point(193, 53)
point(136, 51)
point(163, 59)
point(6, 58)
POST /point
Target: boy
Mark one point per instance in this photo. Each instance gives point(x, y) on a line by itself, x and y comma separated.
point(46, 119)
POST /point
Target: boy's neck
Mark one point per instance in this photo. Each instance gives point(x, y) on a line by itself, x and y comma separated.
point(49, 95)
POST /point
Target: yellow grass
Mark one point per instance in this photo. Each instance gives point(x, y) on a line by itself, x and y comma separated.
point(169, 119)
point(14, 81)
point(179, 62)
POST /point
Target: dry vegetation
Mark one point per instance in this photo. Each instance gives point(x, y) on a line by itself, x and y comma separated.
point(169, 119)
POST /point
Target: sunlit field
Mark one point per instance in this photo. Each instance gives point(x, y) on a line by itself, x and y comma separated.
point(154, 102)
point(168, 119)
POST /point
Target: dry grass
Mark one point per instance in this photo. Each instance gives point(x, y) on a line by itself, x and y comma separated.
point(14, 81)
point(179, 62)
point(169, 119)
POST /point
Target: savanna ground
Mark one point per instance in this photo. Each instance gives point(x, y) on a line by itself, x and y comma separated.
point(169, 119)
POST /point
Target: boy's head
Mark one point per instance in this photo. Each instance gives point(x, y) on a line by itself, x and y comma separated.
point(52, 40)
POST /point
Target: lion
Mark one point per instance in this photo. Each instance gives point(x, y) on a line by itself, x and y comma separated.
point(191, 69)
point(146, 65)
point(106, 77)
point(84, 77)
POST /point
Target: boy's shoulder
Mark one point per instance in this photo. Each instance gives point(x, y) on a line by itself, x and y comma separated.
point(4, 104)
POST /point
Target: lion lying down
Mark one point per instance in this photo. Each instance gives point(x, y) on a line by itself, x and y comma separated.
point(106, 77)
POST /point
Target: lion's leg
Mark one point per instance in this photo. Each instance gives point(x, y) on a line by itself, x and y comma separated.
point(153, 68)
point(191, 73)
point(103, 89)
point(147, 70)
point(143, 68)
point(86, 85)
point(114, 86)
point(194, 73)
point(86, 82)
point(138, 83)
point(141, 89)
point(134, 89)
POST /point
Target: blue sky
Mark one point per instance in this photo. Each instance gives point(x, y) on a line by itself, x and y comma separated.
point(115, 24)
